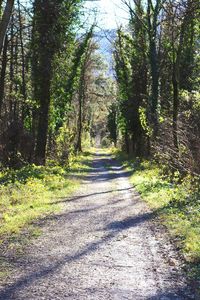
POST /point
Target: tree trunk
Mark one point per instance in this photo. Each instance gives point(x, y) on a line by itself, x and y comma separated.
point(155, 78)
point(42, 131)
point(78, 147)
point(126, 142)
point(152, 16)
point(175, 105)
point(176, 70)
point(81, 96)
point(16, 86)
point(45, 43)
point(11, 74)
point(5, 21)
point(23, 85)
point(3, 72)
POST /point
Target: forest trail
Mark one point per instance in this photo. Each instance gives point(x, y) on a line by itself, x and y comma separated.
point(104, 245)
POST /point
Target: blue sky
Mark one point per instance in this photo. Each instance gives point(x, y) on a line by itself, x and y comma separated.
point(111, 13)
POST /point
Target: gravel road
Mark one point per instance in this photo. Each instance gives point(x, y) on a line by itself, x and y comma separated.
point(104, 245)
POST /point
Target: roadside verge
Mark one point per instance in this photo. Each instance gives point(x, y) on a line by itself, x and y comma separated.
point(29, 194)
point(177, 204)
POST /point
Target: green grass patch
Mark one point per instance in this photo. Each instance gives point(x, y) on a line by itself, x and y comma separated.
point(34, 191)
point(176, 201)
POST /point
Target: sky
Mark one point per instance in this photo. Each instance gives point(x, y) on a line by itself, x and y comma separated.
point(111, 13)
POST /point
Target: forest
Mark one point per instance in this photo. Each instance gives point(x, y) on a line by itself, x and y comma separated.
point(61, 96)
point(53, 80)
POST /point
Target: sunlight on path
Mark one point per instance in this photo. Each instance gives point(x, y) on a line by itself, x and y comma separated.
point(102, 246)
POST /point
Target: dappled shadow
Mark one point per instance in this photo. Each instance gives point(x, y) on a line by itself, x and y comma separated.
point(76, 198)
point(27, 172)
point(102, 167)
point(80, 213)
point(176, 294)
point(103, 175)
point(129, 222)
point(111, 230)
point(103, 155)
point(114, 228)
point(46, 271)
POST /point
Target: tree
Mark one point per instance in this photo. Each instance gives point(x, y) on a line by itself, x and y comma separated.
point(47, 37)
point(150, 24)
point(3, 72)
point(5, 21)
point(131, 75)
point(112, 123)
point(82, 91)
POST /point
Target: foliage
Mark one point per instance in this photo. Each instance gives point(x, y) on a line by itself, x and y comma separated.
point(175, 201)
point(34, 191)
point(157, 64)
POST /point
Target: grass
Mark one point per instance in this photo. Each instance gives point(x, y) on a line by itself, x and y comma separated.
point(31, 193)
point(176, 202)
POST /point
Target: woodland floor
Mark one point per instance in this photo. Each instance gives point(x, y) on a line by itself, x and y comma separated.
point(105, 244)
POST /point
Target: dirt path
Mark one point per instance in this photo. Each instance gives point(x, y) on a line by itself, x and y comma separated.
point(104, 245)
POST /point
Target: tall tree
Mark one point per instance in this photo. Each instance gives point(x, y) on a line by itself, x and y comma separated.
point(3, 72)
point(5, 21)
point(151, 24)
point(49, 30)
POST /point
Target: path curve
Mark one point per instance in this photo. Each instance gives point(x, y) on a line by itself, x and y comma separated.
point(104, 245)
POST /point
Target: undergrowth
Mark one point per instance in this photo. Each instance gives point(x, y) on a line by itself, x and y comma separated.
point(176, 201)
point(34, 191)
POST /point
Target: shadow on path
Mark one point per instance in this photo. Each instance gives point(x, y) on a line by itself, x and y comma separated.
point(76, 198)
point(99, 173)
point(114, 229)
